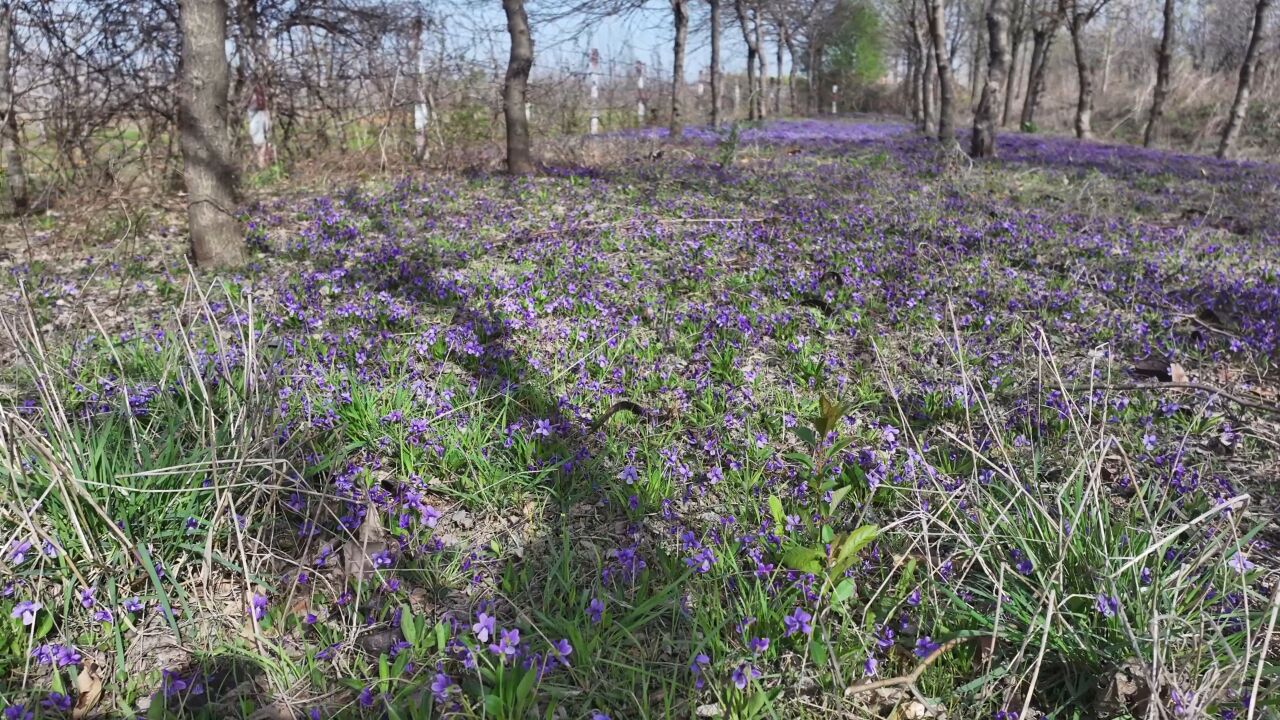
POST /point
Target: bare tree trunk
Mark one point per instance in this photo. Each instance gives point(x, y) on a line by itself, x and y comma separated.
point(715, 63)
point(954, 39)
point(920, 101)
point(909, 88)
point(421, 111)
point(1106, 58)
point(1017, 28)
point(202, 122)
point(762, 97)
point(15, 200)
point(519, 63)
point(1164, 59)
point(1041, 43)
point(793, 76)
point(680, 14)
point(927, 95)
point(946, 105)
point(917, 90)
point(1084, 75)
point(1240, 105)
point(777, 82)
point(975, 62)
point(810, 83)
point(984, 120)
point(753, 49)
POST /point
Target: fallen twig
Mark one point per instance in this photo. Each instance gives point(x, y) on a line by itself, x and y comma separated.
point(633, 408)
point(712, 220)
point(911, 677)
point(1264, 407)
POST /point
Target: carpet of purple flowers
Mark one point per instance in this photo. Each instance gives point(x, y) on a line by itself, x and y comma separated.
point(813, 419)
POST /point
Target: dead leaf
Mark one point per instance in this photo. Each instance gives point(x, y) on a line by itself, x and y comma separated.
point(1126, 692)
point(1178, 375)
point(301, 605)
point(358, 554)
point(1224, 375)
point(889, 696)
point(986, 646)
point(88, 690)
point(378, 642)
point(463, 519)
point(275, 711)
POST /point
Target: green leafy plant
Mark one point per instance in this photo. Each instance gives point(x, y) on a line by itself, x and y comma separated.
point(727, 146)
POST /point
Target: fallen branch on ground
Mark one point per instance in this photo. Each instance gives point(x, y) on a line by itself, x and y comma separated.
point(911, 677)
point(1264, 407)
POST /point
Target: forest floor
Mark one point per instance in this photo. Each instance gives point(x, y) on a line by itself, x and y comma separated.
point(812, 420)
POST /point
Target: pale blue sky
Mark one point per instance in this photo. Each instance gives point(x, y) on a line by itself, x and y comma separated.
point(645, 36)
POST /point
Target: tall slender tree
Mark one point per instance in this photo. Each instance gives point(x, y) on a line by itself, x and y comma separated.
point(716, 93)
point(1043, 30)
point(417, 91)
point(14, 200)
point(762, 57)
point(209, 173)
point(937, 16)
point(914, 67)
point(789, 39)
point(680, 16)
point(1017, 29)
point(779, 47)
point(922, 79)
point(1240, 106)
point(928, 89)
point(753, 49)
point(515, 89)
point(1079, 14)
point(1164, 61)
point(984, 119)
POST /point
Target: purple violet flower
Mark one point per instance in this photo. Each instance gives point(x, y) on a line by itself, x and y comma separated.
point(26, 610)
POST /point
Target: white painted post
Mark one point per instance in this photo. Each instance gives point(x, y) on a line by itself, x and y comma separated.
point(421, 109)
point(835, 90)
point(640, 114)
point(737, 96)
point(595, 91)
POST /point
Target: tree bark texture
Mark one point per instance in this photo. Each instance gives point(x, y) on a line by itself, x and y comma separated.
point(946, 83)
point(991, 104)
point(208, 171)
point(1240, 105)
point(15, 200)
point(680, 17)
point(715, 63)
point(515, 89)
point(1164, 61)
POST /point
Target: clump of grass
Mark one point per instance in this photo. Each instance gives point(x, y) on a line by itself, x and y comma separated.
point(1078, 579)
point(135, 469)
